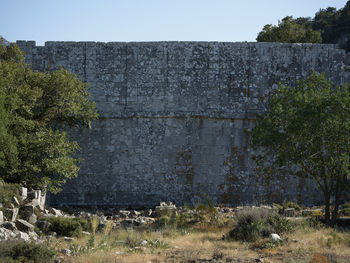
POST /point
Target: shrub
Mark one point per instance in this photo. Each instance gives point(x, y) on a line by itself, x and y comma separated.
point(346, 209)
point(8, 191)
point(69, 227)
point(253, 224)
point(24, 252)
point(291, 205)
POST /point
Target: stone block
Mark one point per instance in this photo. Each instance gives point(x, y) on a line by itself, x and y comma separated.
point(11, 214)
point(9, 225)
point(15, 201)
point(24, 226)
point(55, 211)
point(24, 193)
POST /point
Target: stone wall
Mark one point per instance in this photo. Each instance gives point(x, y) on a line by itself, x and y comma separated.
point(174, 115)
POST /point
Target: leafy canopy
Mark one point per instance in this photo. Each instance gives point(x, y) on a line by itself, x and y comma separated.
point(290, 31)
point(35, 108)
point(329, 26)
point(307, 129)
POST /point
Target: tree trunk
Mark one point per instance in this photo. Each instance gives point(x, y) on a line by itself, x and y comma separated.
point(327, 208)
point(336, 202)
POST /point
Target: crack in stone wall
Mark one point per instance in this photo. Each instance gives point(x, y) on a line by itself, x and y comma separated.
point(173, 117)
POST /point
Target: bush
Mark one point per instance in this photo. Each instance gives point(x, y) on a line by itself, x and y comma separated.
point(253, 224)
point(346, 209)
point(24, 252)
point(7, 192)
point(291, 205)
point(70, 227)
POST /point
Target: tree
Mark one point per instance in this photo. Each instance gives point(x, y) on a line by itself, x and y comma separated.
point(290, 30)
point(35, 110)
point(329, 26)
point(306, 130)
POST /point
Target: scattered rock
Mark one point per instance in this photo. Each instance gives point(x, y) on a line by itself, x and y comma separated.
point(6, 234)
point(135, 213)
point(124, 213)
point(27, 212)
point(24, 193)
point(68, 239)
point(55, 212)
point(9, 225)
point(165, 207)
point(11, 214)
point(289, 212)
point(15, 200)
point(22, 236)
point(67, 252)
point(275, 237)
point(144, 243)
point(308, 212)
point(24, 226)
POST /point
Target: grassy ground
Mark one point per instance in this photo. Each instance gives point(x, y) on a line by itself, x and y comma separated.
point(205, 243)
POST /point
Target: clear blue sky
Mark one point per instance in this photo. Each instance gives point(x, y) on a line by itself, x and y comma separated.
point(147, 20)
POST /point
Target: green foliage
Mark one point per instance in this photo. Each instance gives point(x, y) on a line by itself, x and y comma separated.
point(346, 209)
point(328, 26)
point(306, 132)
point(252, 224)
point(70, 227)
point(289, 31)
point(7, 192)
point(291, 205)
point(25, 252)
point(35, 107)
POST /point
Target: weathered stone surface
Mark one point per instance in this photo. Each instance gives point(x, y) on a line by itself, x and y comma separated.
point(6, 234)
point(9, 225)
point(11, 214)
point(55, 211)
point(1, 217)
point(24, 193)
point(15, 201)
point(22, 236)
point(174, 115)
point(24, 226)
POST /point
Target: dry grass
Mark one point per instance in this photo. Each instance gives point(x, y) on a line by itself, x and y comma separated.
point(306, 245)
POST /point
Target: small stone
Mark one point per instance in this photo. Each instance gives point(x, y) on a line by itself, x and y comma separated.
point(124, 213)
point(68, 239)
point(1, 217)
point(144, 243)
point(67, 252)
point(275, 237)
point(55, 211)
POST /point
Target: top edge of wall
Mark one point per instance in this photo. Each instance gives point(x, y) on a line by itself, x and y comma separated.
point(274, 44)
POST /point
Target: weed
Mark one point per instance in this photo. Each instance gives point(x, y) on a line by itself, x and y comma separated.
point(25, 252)
point(70, 227)
point(253, 224)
